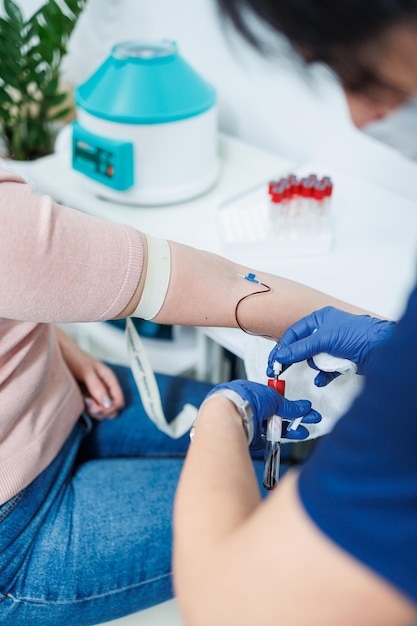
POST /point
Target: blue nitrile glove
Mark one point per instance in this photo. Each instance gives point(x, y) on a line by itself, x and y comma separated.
point(266, 402)
point(331, 331)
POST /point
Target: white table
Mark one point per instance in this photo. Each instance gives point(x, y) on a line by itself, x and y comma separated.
point(373, 260)
point(372, 263)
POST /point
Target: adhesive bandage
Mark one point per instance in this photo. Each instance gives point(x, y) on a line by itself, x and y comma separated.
point(157, 278)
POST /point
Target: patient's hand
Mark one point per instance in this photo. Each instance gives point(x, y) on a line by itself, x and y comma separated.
point(102, 393)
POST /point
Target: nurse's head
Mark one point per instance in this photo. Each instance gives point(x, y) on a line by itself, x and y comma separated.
point(371, 45)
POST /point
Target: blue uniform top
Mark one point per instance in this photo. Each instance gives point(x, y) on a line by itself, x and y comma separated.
point(360, 485)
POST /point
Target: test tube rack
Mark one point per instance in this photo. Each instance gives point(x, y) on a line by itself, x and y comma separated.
point(289, 216)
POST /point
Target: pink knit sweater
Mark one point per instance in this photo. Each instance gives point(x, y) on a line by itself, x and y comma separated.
point(56, 265)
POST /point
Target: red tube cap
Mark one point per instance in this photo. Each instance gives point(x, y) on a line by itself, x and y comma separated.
point(277, 384)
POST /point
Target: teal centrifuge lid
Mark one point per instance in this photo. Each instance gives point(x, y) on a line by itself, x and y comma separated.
point(145, 83)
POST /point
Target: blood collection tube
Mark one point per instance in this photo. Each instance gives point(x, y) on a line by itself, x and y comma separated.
point(328, 191)
point(276, 194)
point(289, 208)
point(275, 199)
point(306, 188)
point(299, 207)
point(274, 183)
point(318, 194)
point(278, 209)
point(272, 454)
point(319, 207)
point(271, 185)
point(305, 204)
point(293, 181)
point(286, 185)
point(294, 188)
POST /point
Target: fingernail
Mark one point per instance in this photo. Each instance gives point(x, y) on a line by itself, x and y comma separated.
point(106, 402)
point(88, 402)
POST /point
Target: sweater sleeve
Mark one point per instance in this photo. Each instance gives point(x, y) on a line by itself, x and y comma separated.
point(60, 265)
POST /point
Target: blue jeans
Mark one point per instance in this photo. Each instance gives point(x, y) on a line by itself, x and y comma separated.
point(89, 540)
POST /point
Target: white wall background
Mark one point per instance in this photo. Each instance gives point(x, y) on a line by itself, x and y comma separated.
point(270, 103)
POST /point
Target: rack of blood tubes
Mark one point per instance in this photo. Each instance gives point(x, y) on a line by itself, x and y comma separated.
point(299, 207)
point(286, 216)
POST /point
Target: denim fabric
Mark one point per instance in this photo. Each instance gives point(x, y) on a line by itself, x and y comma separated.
point(90, 539)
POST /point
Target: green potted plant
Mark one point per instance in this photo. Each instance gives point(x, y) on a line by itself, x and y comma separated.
point(32, 100)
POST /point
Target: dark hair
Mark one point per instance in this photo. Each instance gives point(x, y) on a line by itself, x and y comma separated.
point(334, 32)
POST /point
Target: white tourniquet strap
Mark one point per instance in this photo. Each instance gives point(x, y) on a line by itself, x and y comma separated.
point(149, 392)
point(157, 278)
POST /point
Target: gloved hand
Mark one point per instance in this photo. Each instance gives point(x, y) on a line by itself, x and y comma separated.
point(266, 402)
point(334, 332)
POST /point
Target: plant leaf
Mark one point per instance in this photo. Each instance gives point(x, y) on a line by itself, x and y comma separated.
point(51, 87)
point(14, 13)
point(56, 99)
point(10, 31)
point(60, 114)
point(30, 93)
